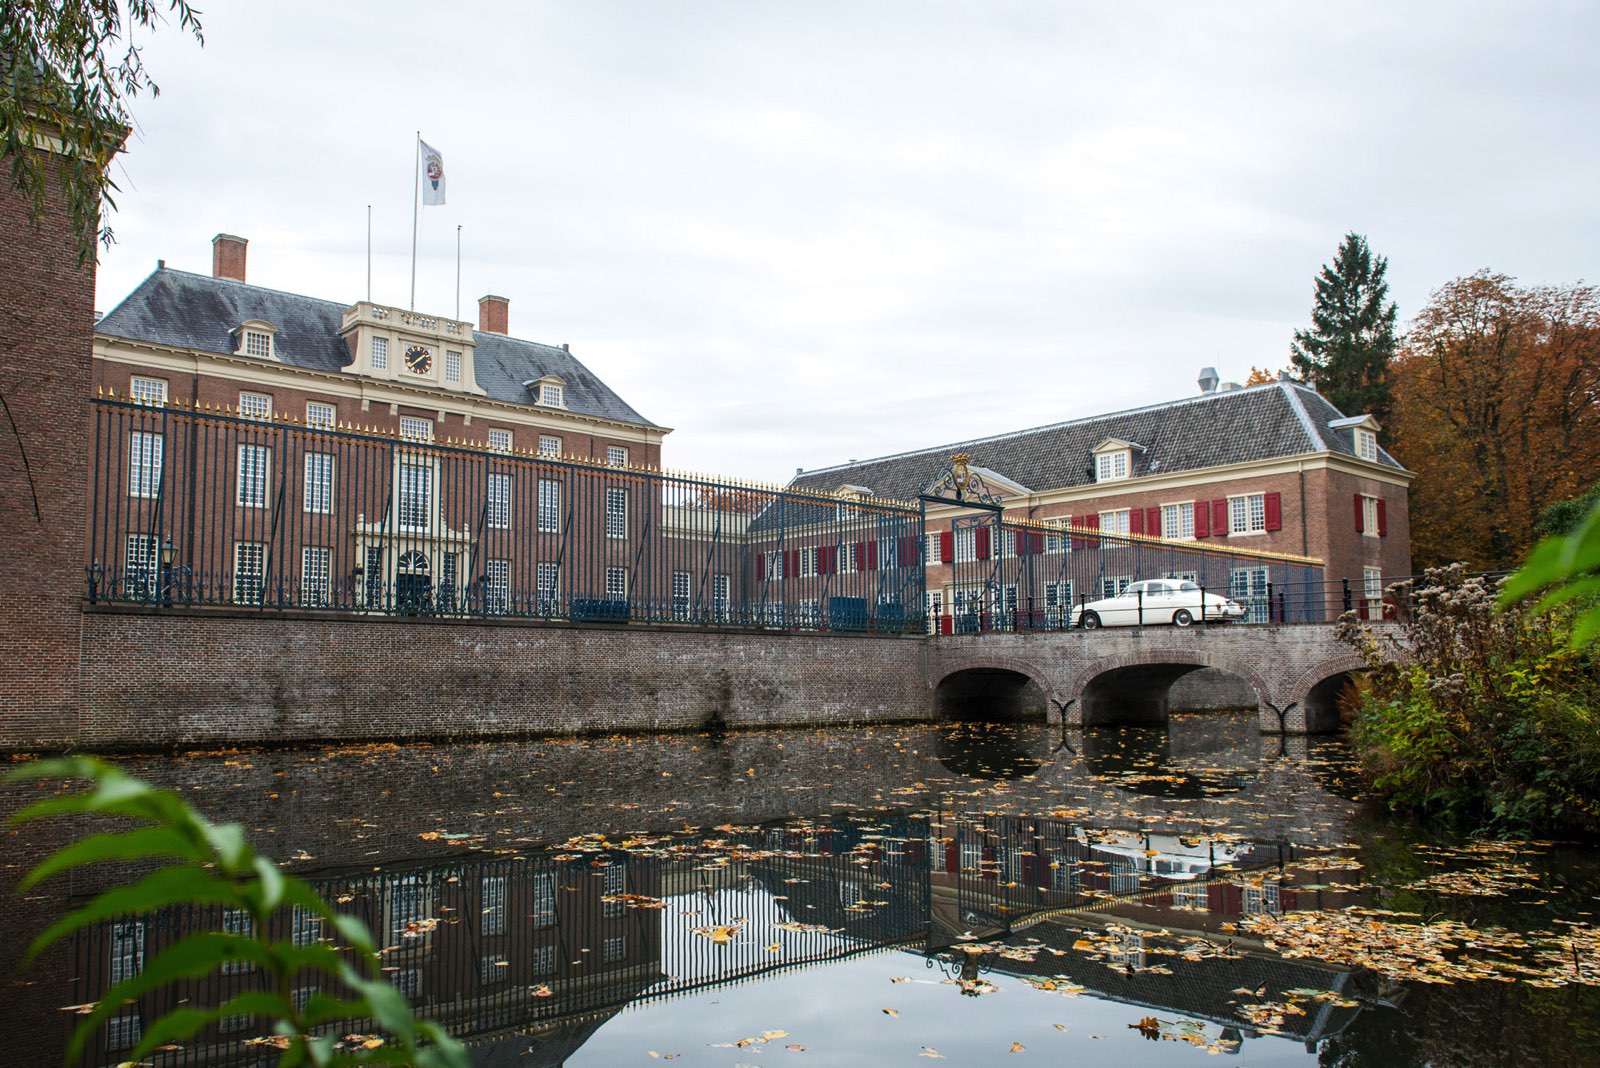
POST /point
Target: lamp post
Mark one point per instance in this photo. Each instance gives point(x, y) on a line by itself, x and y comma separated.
point(168, 553)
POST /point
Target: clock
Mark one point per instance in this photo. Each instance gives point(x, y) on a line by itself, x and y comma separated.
point(419, 360)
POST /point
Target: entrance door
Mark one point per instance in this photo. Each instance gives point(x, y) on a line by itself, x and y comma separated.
point(413, 586)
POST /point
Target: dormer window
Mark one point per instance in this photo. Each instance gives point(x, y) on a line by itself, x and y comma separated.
point(1363, 437)
point(551, 396)
point(254, 338)
point(1366, 444)
point(1110, 466)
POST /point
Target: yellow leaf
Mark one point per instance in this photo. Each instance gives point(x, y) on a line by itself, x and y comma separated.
point(891, 1012)
point(1017, 1047)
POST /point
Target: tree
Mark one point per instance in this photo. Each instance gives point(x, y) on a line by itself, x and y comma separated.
point(1497, 410)
point(1260, 376)
point(1346, 353)
point(67, 70)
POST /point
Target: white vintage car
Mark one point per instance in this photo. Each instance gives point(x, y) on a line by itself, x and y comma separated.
point(1176, 601)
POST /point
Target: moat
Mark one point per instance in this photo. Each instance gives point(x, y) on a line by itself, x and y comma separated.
point(882, 895)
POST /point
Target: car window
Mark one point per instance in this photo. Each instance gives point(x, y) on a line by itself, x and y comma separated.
point(1186, 587)
point(1134, 589)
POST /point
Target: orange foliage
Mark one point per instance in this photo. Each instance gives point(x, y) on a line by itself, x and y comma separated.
point(1260, 376)
point(1497, 410)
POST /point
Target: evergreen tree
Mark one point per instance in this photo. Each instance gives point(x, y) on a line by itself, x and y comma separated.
point(1346, 353)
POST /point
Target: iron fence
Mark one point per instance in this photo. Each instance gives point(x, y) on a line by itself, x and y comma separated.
point(201, 509)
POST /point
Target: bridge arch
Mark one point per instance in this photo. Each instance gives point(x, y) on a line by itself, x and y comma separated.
point(993, 688)
point(1131, 688)
point(1316, 693)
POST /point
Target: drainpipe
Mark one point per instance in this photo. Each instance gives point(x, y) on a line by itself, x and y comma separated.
point(1305, 543)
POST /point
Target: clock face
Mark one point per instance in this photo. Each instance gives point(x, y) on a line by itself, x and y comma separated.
point(419, 360)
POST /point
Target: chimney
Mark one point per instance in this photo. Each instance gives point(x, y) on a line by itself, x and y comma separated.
point(494, 314)
point(227, 257)
point(1208, 380)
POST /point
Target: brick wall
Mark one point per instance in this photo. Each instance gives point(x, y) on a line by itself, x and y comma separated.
point(174, 680)
point(46, 311)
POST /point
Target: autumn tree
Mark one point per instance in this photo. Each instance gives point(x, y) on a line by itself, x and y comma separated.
point(1346, 353)
point(1497, 410)
point(68, 69)
point(1260, 376)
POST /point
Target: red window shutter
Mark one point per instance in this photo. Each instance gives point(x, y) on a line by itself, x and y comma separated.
point(1360, 516)
point(908, 551)
point(1383, 519)
point(826, 555)
point(869, 556)
point(1136, 521)
point(1093, 523)
point(1202, 520)
point(1038, 544)
point(1219, 516)
point(791, 566)
point(1274, 511)
point(980, 542)
point(1022, 543)
point(947, 547)
point(761, 567)
point(1152, 522)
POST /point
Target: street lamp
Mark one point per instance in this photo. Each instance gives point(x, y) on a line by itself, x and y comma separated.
point(169, 552)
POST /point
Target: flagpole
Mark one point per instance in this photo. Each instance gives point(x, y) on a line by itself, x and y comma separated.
point(416, 199)
point(369, 253)
point(458, 272)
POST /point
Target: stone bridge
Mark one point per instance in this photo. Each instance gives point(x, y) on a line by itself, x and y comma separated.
point(1086, 678)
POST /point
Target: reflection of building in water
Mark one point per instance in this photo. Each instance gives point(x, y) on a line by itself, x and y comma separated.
point(526, 956)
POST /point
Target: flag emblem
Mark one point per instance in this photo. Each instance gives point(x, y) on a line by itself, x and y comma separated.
point(432, 175)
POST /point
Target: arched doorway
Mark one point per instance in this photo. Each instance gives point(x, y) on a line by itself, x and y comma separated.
point(413, 584)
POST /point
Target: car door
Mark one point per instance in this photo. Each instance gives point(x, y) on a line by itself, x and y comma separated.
point(1123, 609)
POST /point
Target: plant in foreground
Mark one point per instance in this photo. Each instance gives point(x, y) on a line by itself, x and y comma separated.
point(213, 865)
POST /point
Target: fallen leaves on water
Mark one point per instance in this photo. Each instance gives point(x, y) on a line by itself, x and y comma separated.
point(719, 935)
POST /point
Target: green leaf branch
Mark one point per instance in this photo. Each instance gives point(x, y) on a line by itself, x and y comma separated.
point(1568, 568)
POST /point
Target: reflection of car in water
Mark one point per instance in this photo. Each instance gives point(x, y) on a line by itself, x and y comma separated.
point(1175, 601)
point(1167, 855)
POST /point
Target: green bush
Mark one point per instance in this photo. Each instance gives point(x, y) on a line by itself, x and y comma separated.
point(212, 865)
point(1481, 718)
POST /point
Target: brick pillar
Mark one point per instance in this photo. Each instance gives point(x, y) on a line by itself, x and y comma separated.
point(46, 328)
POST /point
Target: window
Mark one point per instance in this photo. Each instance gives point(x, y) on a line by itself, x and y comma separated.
point(380, 353)
point(494, 905)
point(124, 1032)
point(721, 588)
point(452, 366)
point(549, 506)
point(1057, 603)
point(550, 395)
point(144, 464)
point(306, 926)
point(1114, 522)
point(1111, 585)
point(319, 482)
point(1369, 516)
point(314, 574)
point(848, 562)
point(543, 905)
point(255, 405)
point(1366, 445)
point(680, 599)
point(616, 513)
point(1247, 514)
point(543, 960)
point(415, 485)
point(1372, 583)
point(127, 950)
point(493, 968)
point(935, 599)
point(408, 981)
point(549, 446)
point(1177, 520)
point(547, 586)
point(249, 571)
point(500, 440)
point(1110, 466)
point(810, 612)
point(321, 416)
point(237, 922)
point(374, 577)
point(446, 598)
point(257, 343)
point(254, 461)
point(148, 390)
point(416, 429)
point(933, 548)
point(808, 562)
point(614, 949)
point(1057, 543)
point(613, 883)
point(497, 586)
point(966, 545)
point(616, 456)
point(498, 512)
point(616, 583)
point(1248, 586)
point(141, 565)
point(1259, 899)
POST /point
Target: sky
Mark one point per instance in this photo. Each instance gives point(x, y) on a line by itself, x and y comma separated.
point(805, 232)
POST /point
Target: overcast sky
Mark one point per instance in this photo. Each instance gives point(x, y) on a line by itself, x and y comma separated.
point(806, 232)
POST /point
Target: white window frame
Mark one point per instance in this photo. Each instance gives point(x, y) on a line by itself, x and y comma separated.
point(542, 960)
point(617, 455)
point(964, 548)
point(614, 882)
point(414, 496)
point(452, 365)
point(127, 950)
point(258, 343)
point(493, 968)
point(1366, 445)
point(238, 922)
point(497, 512)
point(1247, 514)
point(808, 562)
point(1111, 585)
point(254, 485)
point(255, 405)
point(552, 395)
point(616, 583)
point(1115, 521)
point(549, 446)
point(378, 354)
point(318, 495)
point(682, 586)
point(849, 563)
point(549, 517)
point(542, 899)
point(249, 571)
point(321, 416)
point(721, 596)
point(497, 586)
point(416, 428)
point(141, 564)
point(1057, 602)
point(1372, 583)
point(493, 921)
point(933, 549)
point(616, 501)
point(1249, 586)
point(316, 571)
point(305, 926)
point(1177, 521)
point(1113, 466)
point(145, 450)
point(547, 585)
point(500, 439)
point(1369, 516)
point(152, 391)
point(125, 1031)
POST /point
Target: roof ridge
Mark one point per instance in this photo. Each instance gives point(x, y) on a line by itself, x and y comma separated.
point(1306, 422)
point(1011, 434)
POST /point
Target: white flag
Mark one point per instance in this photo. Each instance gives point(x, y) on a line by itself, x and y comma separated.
point(432, 174)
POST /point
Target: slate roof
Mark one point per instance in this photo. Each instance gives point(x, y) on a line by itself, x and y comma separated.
point(1209, 430)
point(196, 311)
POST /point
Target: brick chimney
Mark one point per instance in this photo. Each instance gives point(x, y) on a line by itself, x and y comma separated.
point(227, 257)
point(494, 314)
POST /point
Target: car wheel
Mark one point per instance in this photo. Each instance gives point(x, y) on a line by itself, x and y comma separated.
point(1182, 618)
point(1091, 621)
